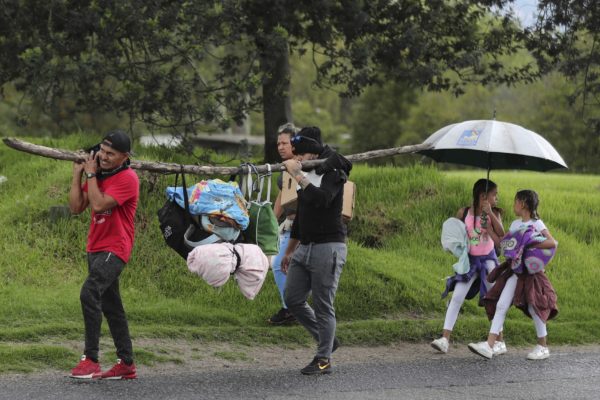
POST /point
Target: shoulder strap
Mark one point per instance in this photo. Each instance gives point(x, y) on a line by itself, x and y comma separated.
point(247, 185)
point(262, 178)
point(188, 217)
point(238, 259)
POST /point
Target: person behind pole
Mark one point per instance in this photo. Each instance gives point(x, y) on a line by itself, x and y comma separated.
point(111, 191)
point(286, 214)
point(316, 251)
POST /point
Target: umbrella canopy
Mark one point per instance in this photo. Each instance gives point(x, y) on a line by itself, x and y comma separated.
point(493, 144)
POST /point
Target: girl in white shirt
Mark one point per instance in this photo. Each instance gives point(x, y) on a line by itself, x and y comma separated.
point(525, 208)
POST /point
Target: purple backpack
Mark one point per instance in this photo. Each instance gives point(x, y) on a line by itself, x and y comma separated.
point(516, 247)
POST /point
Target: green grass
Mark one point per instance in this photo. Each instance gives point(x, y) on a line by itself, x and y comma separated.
point(389, 291)
point(31, 357)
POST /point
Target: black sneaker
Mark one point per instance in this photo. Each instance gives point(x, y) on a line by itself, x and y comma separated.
point(282, 317)
point(317, 366)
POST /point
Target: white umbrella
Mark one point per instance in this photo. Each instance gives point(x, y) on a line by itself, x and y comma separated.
point(493, 144)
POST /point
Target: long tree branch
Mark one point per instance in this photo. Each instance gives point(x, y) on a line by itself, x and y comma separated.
point(171, 168)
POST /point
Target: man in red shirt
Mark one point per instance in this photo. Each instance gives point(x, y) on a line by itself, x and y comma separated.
point(111, 190)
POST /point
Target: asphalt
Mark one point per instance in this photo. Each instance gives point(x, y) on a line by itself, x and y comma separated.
point(565, 375)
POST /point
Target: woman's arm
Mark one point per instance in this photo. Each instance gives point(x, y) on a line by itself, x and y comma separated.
point(289, 252)
point(277, 209)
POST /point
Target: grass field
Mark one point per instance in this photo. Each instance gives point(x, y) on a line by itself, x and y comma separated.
point(389, 291)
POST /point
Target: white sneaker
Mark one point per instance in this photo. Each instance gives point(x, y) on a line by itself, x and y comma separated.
point(499, 348)
point(539, 353)
point(440, 344)
point(482, 349)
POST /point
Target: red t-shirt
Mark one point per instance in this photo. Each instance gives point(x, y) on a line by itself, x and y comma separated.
point(113, 230)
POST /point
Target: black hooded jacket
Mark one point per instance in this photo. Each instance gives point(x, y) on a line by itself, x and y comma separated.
point(319, 214)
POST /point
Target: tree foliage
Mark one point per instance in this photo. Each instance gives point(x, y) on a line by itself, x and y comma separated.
point(179, 65)
point(566, 38)
point(379, 118)
point(543, 107)
point(143, 59)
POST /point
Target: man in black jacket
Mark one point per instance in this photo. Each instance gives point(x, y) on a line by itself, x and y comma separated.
point(317, 249)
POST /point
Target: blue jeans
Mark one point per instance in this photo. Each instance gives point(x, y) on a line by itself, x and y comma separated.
point(280, 277)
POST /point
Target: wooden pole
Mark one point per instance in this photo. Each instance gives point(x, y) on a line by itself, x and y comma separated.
point(171, 168)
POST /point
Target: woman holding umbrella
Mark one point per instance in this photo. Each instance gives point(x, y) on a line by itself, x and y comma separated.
point(483, 224)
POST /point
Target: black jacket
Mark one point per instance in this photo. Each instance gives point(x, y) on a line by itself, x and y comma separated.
point(319, 214)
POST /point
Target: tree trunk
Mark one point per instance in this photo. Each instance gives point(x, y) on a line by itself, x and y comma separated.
point(277, 107)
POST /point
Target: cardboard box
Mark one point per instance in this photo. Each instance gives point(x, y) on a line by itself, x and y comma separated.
point(348, 202)
point(289, 196)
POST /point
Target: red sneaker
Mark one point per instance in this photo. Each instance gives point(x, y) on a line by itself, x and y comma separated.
point(120, 371)
point(85, 369)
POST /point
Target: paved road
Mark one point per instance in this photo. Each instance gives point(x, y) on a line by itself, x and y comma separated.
point(566, 375)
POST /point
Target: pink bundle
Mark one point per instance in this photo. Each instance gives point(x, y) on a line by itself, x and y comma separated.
point(216, 262)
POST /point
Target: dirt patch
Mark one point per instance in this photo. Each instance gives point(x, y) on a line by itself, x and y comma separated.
point(171, 356)
point(218, 356)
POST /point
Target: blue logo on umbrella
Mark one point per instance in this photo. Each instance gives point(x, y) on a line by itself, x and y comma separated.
point(469, 137)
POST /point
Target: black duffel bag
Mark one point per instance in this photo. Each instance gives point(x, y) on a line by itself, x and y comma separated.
point(174, 221)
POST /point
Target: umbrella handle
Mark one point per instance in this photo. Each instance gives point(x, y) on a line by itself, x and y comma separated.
point(489, 157)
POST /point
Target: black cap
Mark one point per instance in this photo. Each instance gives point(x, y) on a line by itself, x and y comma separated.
point(118, 140)
point(305, 144)
point(312, 132)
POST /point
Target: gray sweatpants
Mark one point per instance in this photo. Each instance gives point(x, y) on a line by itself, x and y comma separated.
point(316, 267)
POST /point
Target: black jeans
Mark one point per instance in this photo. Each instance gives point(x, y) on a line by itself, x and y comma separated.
point(100, 294)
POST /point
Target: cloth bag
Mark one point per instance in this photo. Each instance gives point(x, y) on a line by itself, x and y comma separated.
point(213, 197)
point(454, 239)
point(215, 263)
point(263, 227)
